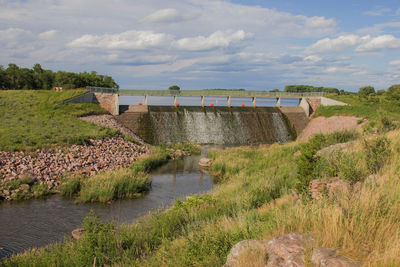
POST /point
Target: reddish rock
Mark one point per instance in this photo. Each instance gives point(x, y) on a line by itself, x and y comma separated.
point(328, 257)
point(205, 162)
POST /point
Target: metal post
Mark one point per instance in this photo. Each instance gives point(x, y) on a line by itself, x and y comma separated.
point(146, 100)
point(202, 101)
point(229, 102)
point(254, 101)
point(175, 100)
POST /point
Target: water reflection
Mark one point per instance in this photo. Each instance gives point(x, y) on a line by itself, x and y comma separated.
point(36, 223)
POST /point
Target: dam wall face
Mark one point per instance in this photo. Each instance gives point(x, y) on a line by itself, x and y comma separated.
point(209, 125)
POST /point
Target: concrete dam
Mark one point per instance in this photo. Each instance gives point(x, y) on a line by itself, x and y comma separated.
point(212, 125)
point(243, 119)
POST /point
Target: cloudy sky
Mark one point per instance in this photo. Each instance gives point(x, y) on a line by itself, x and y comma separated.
point(254, 44)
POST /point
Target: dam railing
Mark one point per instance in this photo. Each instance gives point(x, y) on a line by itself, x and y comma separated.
point(216, 93)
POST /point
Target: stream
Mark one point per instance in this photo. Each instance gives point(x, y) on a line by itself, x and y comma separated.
point(39, 222)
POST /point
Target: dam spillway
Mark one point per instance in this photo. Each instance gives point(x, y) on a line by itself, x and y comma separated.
point(208, 125)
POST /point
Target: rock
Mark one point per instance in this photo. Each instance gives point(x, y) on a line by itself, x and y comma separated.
point(24, 187)
point(329, 187)
point(282, 251)
point(205, 162)
point(331, 149)
point(328, 257)
point(77, 233)
point(242, 247)
point(288, 250)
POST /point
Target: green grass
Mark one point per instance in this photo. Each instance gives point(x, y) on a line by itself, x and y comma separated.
point(372, 108)
point(31, 119)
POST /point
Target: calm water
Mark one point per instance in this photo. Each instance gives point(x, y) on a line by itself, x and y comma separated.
point(216, 101)
point(36, 223)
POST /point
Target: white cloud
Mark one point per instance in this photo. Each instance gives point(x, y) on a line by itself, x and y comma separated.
point(386, 41)
point(215, 40)
point(333, 45)
point(125, 40)
point(48, 34)
point(361, 43)
point(395, 62)
point(164, 15)
point(378, 12)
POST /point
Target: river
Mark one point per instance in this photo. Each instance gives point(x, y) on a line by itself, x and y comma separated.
point(39, 222)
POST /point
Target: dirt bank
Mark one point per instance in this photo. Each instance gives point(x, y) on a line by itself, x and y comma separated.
point(329, 125)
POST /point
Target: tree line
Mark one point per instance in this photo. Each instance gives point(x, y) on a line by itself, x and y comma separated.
point(309, 88)
point(15, 78)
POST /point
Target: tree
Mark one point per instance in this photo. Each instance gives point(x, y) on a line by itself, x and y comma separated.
point(393, 92)
point(275, 90)
point(366, 91)
point(174, 88)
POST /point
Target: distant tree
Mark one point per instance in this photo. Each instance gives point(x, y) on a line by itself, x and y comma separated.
point(275, 90)
point(174, 88)
point(15, 77)
point(366, 91)
point(309, 88)
point(393, 92)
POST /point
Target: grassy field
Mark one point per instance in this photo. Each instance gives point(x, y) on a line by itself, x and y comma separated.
point(372, 108)
point(253, 199)
point(31, 119)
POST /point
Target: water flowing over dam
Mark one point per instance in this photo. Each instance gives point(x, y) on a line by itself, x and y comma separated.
point(209, 125)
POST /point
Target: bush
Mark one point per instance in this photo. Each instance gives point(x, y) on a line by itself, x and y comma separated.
point(377, 153)
point(366, 91)
point(393, 92)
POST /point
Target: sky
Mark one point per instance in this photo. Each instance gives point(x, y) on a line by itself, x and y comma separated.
point(198, 44)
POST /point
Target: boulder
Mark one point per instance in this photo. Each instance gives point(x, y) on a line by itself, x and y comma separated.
point(77, 233)
point(282, 251)
point(205, 162)
point(328, 257)
point(288, 250)
point(243, 247)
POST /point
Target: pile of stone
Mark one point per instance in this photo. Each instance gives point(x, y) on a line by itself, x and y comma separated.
point(46, 166)
point(110, 122)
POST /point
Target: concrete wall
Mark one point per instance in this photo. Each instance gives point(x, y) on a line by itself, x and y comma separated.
point(107, 101)
point(331, 102)
point(298, 119)
point(305, 106)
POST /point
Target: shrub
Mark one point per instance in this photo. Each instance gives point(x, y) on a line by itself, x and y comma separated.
point(366, 91)
point(377, 153)
point(393, 92)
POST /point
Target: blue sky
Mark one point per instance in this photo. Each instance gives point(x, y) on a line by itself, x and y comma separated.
point(257, 45)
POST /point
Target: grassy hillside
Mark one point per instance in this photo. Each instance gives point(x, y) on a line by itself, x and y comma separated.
point(32, 119)
point(372, 107)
